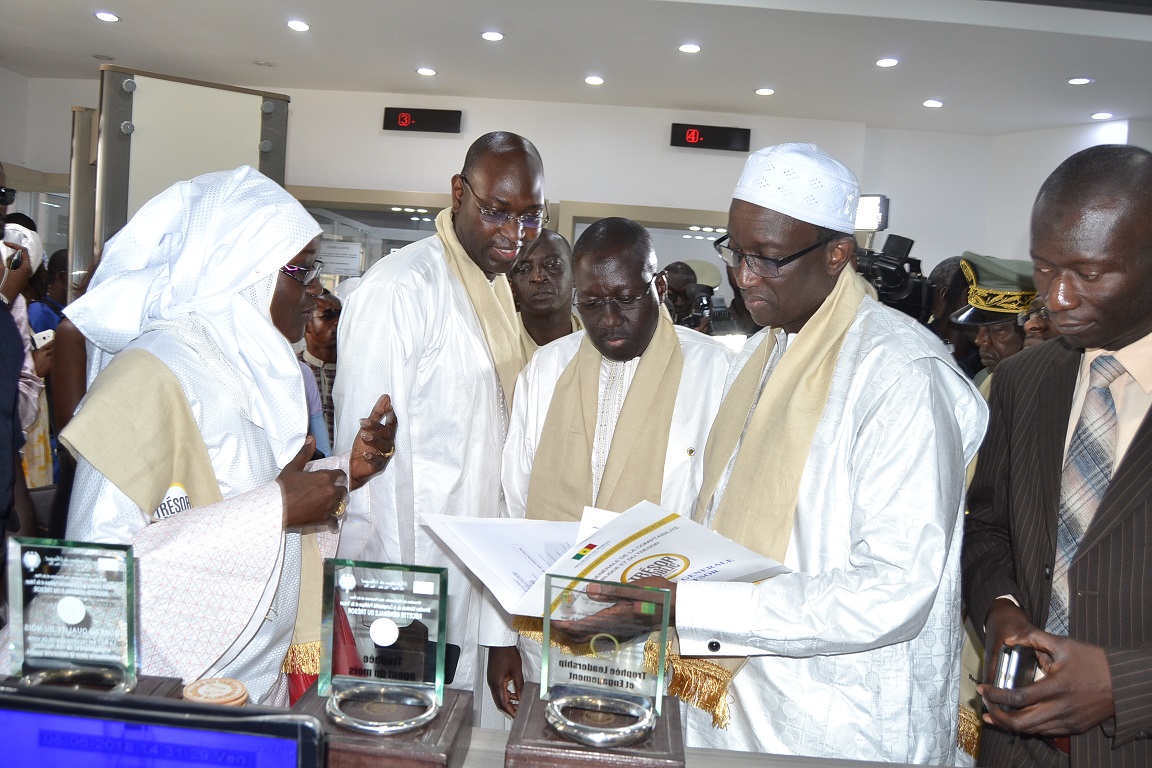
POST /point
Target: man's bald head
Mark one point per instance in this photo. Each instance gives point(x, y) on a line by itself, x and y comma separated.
point(620, 239)
point(500, 143)
point(618, 291)
point(1092, 246)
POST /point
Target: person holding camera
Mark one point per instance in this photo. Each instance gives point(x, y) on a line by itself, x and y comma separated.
point(1058, 542)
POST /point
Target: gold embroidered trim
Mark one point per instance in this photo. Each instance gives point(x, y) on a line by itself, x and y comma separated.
point(302, 659)
point(992, 300)
point(968, 735)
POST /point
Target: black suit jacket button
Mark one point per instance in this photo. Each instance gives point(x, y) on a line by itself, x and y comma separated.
point(1047, 571)
point(714, 645)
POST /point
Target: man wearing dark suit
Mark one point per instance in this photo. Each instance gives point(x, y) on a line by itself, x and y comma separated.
point(1058, 547)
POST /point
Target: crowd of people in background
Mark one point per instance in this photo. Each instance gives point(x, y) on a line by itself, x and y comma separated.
point(494, 369)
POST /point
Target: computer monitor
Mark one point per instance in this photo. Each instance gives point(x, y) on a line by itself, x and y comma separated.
point(67, 729)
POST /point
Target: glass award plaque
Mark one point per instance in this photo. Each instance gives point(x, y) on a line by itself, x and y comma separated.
point(382, 645)
point(603, 659)
point(73, 613)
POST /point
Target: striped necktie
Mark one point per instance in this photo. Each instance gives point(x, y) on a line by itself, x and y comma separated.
point(1087, 472)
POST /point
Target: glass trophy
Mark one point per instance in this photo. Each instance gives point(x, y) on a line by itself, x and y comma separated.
point(382, 645)
point(603, 659)
point(73, 613)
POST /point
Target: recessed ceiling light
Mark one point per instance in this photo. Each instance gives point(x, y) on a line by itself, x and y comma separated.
point(933, 104)
point(425, 218)
point(694, 228)
point(710, 238)
point(698, 237)
point(397, 208)
point(594, 80)
point(689, 48)
point(260, 63)
point(415, 218)
point(298, 25)
point(426, 71)
point(721, 230)
point(409, 210)
point(764, 91)
point(885, 63)
point(708, 229)
point(687, 237)
point(1080, 80)
point(105, 16)
point(421, 210)
point(492, 37)
point(1102, 116)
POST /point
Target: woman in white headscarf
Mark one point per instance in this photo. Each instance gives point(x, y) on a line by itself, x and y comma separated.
point(191, 442)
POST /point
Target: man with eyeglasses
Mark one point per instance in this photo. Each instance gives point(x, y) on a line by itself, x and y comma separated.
point(541, 281)
point(839, 450)
point(1038, 327)
point(319, 352)
point(610, 417)
point(434, 325)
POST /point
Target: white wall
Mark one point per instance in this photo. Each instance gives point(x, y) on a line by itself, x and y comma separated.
point(591, 153)
point(13, 116)
point(949, 192)
point(937, 185)
point(1018, 165)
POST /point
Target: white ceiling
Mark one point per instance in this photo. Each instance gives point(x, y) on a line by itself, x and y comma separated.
point(998, 67)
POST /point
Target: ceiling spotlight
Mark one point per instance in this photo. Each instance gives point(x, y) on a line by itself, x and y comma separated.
point(1080, 80)
point(689, 48)
point(492, 37)
point(764, 91)
point(426, 71)
point(409, 210)
point(885, 63)
point(397, 208)
point(698, 237)
point(721, 230)
point(933, 104)
point(1102, 116)
point(298, 26)
point(594, 80)
point(710, 238)
point(709, 229)
point(686, 237)
point(105, 16)
point(421, 210)
point(415, 218)
point(694, 228)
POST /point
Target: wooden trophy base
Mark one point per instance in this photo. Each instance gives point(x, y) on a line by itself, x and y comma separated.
point(532, 742)
point(146, 685)
point(442, 742)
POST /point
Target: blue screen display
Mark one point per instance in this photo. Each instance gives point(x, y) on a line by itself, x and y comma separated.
point(65, 741)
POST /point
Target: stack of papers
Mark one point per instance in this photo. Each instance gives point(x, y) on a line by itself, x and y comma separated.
point(511, 557)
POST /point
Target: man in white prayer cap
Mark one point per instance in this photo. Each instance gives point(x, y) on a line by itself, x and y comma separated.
point(839, 450)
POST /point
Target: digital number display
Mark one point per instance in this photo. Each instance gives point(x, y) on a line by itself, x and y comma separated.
point(711, 137)
point(427, 120)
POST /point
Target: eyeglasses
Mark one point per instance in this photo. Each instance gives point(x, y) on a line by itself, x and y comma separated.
point(1023, 318)
point(328, 314)
point(619, 303)
point(764, 266)
point(7, 195)
point(310, 273)
point(500, 218)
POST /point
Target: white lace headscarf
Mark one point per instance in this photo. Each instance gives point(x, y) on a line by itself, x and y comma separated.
point(207, 252)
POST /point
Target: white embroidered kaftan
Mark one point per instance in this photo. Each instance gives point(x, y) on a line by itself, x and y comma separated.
point(856, 653)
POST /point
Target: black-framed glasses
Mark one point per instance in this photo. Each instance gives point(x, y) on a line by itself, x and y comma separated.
point(7, 195)
point(619, 303)
point(764, 266)
point(303, 275)
point(1040, 312)
point(500, 218)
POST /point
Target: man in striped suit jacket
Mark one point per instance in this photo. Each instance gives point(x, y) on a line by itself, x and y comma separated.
point(1077, 589)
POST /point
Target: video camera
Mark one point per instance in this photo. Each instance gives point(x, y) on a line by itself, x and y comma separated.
point(897, 278)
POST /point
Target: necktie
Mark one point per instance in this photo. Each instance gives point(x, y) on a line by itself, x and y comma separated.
point(1087, 472)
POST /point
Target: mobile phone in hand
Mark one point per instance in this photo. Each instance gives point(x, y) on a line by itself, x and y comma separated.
point(1016, 667)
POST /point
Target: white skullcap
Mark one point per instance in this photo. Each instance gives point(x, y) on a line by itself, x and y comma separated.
point(804, 182)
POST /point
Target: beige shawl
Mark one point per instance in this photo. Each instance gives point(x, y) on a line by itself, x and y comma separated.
point(494, 306)
point(561, 482)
